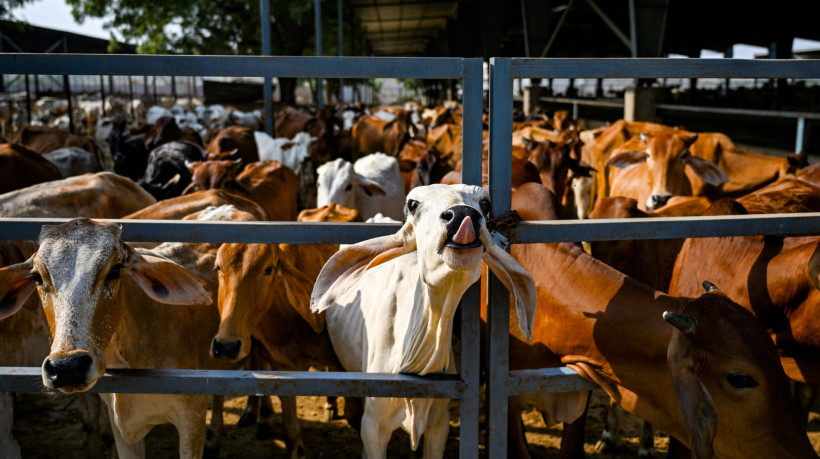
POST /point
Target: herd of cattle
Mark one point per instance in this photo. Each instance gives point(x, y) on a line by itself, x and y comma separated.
point(699, 337)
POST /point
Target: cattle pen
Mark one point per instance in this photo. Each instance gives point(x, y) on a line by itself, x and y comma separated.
point(500, 382)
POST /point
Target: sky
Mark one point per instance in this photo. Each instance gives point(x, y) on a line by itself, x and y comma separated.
point(56, 14)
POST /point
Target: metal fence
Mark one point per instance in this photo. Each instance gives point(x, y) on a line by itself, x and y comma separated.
point(501, 383)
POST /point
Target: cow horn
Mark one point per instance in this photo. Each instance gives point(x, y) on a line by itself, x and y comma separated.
point(643, 137)
point(527, 142)
point(686, 324)
point(710, 287)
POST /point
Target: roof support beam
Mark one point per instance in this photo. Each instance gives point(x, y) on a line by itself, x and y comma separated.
point(379, 5)
point(614, 28)
point(557, 28)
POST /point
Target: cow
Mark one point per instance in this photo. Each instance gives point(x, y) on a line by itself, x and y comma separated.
point(374, 135)
point(420, 165)
point(556, 162)
point(290, 152)
point(71, 161)
point(180, 206)
point(166, 175)
point(78, 273)
point(24, 339)
point(371, 185)
point(21, 167)
point(166, 130)
point(405, 325)
point(292, 122)
point(43, 139)
point(276, 312)
point(699, 368)
point(446, 140)
point(773, 277)
point(810, 174)
point(523, 171)
point(652, 169)
point(215, 174)
point(235, 138)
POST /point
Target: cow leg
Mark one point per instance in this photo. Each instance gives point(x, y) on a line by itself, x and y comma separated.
point(435, 436)
point(677, 450)
point(8, 446)
point(216, 429)
point(646, 444)
point(572, 438)
point(251, 413)
point(354, 410)
point(805, 394)
point(516, 440)
point(264, 422)
point(331, 409)
point(609, 436)
point(375, 433)
point(293, 431)
point(190, 424)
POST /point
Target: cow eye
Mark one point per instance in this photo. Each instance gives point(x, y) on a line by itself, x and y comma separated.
point(412, 206)
point(741, 380)
point(37, 277)
point(349, 187)
point(268, 271)
point(485, 206)
point(115, 272)
point(685, 155)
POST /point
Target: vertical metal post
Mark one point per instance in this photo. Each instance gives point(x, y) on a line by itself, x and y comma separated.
point(801, 135)
point(266, 50)
point(67, 90)
point(154, 82)
point(633, 29)
point(472, 101)
point(526, 33)
point(131, 97)
point(102, 93)
point(340, 26)
point(190, 83)
point(144, 87)
point(498, 311)
point(317, 4)
point(2, 76)
point(28, 101)
point(174, 88)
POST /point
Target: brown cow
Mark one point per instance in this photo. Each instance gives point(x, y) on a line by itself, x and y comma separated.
point(292, 122)
point(276, 313)
point(166, 130)
point(446, 139)
point(372, 134)
point(77, 272)
point(523, 171)
point(653, 169)
point(774, 277)
point(235, 138)
point(213, 174)
point(420, 165)
point(21, 167)
point(177, 208)
point(43, 139)
point(708, 375)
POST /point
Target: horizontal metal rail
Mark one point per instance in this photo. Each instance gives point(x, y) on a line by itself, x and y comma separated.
point(664, 68)
point(546, 380)
point(245, 66)
point(582, 102)
point(738, 111)
point(524, 233)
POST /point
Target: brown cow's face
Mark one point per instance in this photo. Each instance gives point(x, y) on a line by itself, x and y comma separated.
point(731, 389)
point(209, 175)
point(77, 273)
point(666, 156)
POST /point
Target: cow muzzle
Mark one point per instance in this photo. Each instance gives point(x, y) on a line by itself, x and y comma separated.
point(463, 247)
point(655, 201)
point(226, 349)
point(69, 371)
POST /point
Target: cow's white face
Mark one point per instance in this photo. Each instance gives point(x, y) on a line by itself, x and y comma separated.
point(336, 182)
point(449, 227)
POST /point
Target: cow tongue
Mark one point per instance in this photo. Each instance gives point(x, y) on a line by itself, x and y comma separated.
point(465, 233)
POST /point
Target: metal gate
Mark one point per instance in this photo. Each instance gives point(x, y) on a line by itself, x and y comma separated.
point(501, 383)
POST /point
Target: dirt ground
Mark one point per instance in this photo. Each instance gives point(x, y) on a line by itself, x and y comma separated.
point(47, 426)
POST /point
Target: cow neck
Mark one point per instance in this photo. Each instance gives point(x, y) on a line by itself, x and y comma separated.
point(428, 339)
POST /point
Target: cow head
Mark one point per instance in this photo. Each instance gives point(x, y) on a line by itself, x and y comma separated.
point(255, 282)
point(666, 155)
point(729, 382)
point(78, 273)
point(338, 182)
point(208, 175)
point(446, 226)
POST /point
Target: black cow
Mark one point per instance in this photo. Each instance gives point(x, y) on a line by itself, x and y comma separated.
point(166, 175)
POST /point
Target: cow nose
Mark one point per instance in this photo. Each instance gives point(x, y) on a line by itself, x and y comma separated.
point(658, 201)
point(68, 370)
point(226, 349)
point(456, 214)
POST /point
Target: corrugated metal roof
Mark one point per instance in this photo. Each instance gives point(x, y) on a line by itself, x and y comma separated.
point(403, 28)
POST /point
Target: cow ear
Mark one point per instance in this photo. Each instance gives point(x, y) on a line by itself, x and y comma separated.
point(813, 268)
point(518, 281)
point(694, 399)
point(579, 168)
point(707, 171)
point(627, 159)
point(165, 281)
point(346, 266)
point(370, 187)
point(297, 289)
point(16, 285)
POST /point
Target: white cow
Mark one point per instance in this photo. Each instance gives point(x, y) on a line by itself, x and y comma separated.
point(373, 184)
point(389, 304)
point(290, 152)
point(73, 161)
